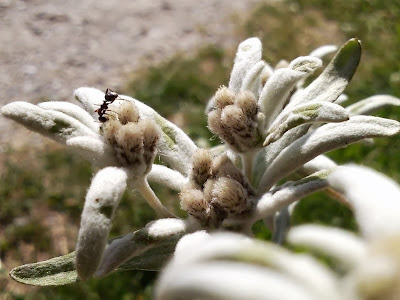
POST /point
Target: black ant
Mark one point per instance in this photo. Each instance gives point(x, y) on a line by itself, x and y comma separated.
point(109, 97)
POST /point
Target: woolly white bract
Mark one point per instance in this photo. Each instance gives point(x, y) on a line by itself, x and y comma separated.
point(271, 125)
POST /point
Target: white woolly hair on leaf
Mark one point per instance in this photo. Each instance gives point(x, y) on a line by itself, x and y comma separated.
point(190, 239)
point(283, 196)
point(318, 163)
point(266, 74)
point(72, 110)
point(165, 176)
point(157, 234)
point(371, 104)
point(167, 227)
point(94, 150)
point(53, 124)
point(223, 97)
point(324, 139)
point(228, 280)
point(283, 63)
point(374, 198)
point(252, 81)
point(281, 83)
point(243, 252)
point(306, 64)
point(323, 51)
point(333, 80)
point(90, 98)
point(247, 55)
point(101, 201)
point(310, 112)
point(344, 246)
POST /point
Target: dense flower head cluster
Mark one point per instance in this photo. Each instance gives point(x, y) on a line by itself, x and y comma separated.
point(133, 139)
point(216, 190)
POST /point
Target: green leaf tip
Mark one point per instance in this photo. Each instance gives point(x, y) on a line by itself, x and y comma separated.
point(56, 271)
point(347, 59)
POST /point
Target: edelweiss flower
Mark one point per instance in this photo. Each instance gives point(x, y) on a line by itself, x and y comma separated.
point(267, 121)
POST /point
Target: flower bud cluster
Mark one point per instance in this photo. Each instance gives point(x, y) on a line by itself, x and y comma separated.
point(217, 190)
point(133, 139)
point(234, 119)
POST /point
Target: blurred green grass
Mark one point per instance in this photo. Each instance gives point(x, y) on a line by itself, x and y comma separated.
point(179, 89)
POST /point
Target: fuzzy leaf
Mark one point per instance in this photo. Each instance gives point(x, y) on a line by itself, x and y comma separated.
point(252, 81)
point(163, 175)
point(322, 51)
point(101, 202)
point(246, 262)
point(74, 111)
point(334, 79)
point(342, 245)
point(374, 198)
point(278, 87)
point(157, 234)
point(312, 112)
point(93, 149)
point(153, 248)
point(247, 55)
point(53, 124)
point(281, 197)
point(321, 162)
point(174, 146)
point(324, 139)
point(56, 271)
point(371, 104)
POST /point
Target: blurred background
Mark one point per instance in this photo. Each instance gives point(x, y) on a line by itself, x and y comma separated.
point(172, 55)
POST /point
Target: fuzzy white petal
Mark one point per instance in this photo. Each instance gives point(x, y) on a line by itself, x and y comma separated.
point(282, 81)
point(93, 149)
point(247, 55)
point(165, 176)
point(319, 163)
point(227, 280)
point(323, 51)
point(324, 139)
point(371, 104)
point(155, 234)
point(374, 198)
point(251, 81)
point(311, 112)
point(281, 197)
point(190, 240)
point(74, 111)
point(342, 245)
point(53, 124)
point(333, 80)
point(301, 269)
point(90, 98)
point(101, 201)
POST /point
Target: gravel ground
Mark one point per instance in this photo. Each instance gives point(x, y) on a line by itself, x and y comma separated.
point(49, 48)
